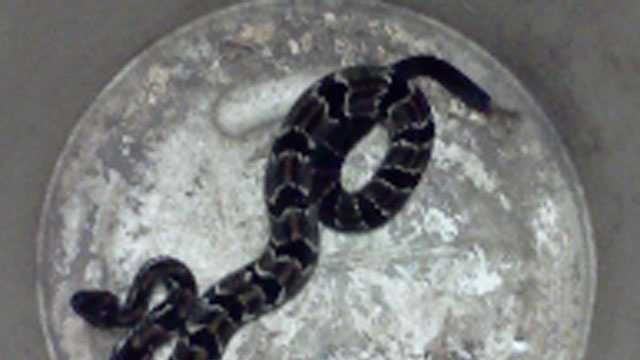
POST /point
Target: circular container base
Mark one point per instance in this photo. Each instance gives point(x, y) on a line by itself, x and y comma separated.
point(492, 258)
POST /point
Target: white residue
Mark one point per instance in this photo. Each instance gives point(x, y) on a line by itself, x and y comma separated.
point(185, 211)
point(504, 201)
point(520, 347)
point(248, 107)
point(549, 236)
point(294, 47)
point(470, 164)
point(436, 221)
point(392, 321)
point(156, 83)
point(469, 275)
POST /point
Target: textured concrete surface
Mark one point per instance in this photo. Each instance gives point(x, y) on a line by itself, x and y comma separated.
point(579, 59)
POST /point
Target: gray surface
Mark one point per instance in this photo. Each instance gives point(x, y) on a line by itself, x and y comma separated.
point(579, 59)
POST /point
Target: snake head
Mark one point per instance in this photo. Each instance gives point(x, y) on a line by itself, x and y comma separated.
point(97, 307)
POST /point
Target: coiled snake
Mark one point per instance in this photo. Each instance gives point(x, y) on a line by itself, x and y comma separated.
point(302, 188)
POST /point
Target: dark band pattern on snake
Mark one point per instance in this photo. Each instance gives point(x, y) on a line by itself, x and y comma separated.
point(302, 188)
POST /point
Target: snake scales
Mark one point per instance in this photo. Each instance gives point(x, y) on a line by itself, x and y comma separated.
point(302, 188)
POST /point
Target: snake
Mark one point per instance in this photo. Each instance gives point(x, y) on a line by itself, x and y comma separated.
point(302, 188)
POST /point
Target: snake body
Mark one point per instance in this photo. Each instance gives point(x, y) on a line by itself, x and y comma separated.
point(302, 188)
